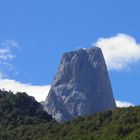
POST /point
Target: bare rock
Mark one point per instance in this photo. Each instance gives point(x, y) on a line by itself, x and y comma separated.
point(81, 86)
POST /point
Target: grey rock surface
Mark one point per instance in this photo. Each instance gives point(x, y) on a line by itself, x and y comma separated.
point(81, 86)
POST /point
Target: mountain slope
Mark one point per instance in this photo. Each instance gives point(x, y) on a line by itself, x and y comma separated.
point(22, 118)
point(20, 109)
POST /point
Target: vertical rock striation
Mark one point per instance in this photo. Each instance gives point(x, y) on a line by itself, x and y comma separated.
point(81, 86)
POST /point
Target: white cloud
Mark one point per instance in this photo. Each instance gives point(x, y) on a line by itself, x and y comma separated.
point(6, 49)
point(6, 54)
point(38, 92)
point(120, 51)
point(123, 104)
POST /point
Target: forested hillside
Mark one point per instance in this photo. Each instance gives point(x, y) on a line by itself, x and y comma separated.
point(22, 118)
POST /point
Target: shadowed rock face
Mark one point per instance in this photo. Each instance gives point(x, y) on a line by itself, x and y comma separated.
point(80, 87)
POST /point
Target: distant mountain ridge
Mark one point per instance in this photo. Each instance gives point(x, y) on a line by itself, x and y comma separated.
point(81, 86)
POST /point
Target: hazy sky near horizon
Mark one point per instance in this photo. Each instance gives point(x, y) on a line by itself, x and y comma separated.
point(35, 34)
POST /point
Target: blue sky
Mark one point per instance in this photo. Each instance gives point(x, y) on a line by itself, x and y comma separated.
point(41, 31)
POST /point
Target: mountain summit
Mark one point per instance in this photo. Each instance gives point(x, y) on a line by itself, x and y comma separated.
point(81, 86)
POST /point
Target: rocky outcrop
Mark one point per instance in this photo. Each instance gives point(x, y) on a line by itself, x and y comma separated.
point(81, 86)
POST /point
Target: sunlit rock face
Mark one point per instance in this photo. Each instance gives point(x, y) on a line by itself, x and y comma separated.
point(81, 86)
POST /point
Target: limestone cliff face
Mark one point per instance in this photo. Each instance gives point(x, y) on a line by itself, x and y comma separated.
point(81, 86)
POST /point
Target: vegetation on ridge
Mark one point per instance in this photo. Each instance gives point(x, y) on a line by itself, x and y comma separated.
point(22, 118)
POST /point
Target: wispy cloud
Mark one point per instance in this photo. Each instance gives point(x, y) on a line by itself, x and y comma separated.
point(123, 104)
point(38, 92)
point(6, 48)
point(6, 54)
point(120, 51)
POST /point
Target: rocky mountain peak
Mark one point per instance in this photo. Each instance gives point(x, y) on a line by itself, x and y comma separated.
point(81, 86)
